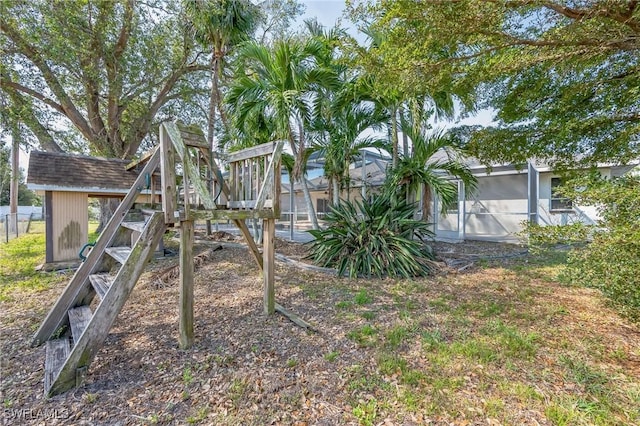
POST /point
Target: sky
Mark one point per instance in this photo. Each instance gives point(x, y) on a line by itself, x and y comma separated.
point(327, 11)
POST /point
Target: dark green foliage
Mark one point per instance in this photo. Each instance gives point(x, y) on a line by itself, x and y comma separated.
point(611, 260)
point(376, 238)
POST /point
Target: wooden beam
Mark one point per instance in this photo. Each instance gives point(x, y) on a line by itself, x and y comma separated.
point(276, 193)
point(187, 164)
point(228, 214)
point(141, 160)
point(168, 177)
point(68, 298)
point(270, 178)
point(295, 318)
point(239, 223)
point(254, 151)
point(250, 242)
point(269, 262)
point(87, 345)
point(249, 204)
point(186, 284)
point(192, 136)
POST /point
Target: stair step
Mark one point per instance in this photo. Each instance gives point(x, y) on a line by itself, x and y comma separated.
point(134, 226)
point(79, 318)
point(119, 253)
point(57, 352)
point(149, 212)
point(100, 283)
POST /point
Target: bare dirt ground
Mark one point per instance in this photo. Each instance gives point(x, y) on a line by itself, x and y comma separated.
point(250, 369)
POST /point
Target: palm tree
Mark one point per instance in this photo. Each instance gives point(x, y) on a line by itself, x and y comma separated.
point(281, 83)
point(339, 138)
point(435, 159)
point(341, 116)
point(398, 104)
point(221, 25)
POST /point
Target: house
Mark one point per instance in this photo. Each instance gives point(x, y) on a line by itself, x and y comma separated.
point(363, 180)
point(505, 198)
point(67, 182)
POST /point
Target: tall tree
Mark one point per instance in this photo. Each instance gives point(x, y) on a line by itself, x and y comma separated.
point(220, 25)
point(106, 66)
point(372, 61)
point(276, 18)
point(341, 140)
point(280, 84)
point(562, 75)
point(341, 115)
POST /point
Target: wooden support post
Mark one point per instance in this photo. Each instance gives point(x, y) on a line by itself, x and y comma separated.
point(168, 177)
point(186, 284)
point(268, 264)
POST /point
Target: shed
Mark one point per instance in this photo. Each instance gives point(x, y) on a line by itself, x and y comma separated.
point(67, 181)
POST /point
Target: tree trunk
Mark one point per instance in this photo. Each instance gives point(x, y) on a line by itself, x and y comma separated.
point(107, 207)
point(405, 145)
point(426, 203)
point(15, 179)
point(394, 136)
point(309, 202)
point(336, 191)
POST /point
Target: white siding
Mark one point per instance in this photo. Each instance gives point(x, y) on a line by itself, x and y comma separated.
point(580, 213)
point(498, 208)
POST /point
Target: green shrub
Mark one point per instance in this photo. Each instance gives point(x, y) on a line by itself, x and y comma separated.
point(541, 238)
point(373, 238)
point(610, 262)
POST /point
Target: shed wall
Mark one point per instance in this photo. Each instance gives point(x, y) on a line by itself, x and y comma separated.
point(70, 224)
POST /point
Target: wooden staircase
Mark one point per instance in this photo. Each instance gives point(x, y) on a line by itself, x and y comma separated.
point(72, 331)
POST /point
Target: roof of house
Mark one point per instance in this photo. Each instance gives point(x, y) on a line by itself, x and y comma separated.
point(50, 171)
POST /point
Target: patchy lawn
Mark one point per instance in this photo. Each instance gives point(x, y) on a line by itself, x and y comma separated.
point(500, 342)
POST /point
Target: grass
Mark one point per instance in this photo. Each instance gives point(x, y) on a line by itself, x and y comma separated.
point(19, 259)
point(492, 335)
point(506, 344)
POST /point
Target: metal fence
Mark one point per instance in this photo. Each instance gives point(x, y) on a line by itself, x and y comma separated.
point(14, 225)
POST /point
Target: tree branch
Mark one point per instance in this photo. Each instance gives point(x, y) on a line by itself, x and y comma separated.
point(625, 18)
point(143, 123)
point(31, 53)
point(27, 115)
point(6, 83)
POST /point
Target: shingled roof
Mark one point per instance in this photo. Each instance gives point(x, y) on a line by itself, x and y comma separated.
point(67, 172)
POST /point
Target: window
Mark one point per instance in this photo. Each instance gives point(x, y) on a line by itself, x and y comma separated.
point(559, 203)
point(322, 205)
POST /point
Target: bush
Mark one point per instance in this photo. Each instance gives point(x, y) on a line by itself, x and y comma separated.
point(610, 262)
point(376, 238)
point(541, 238)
